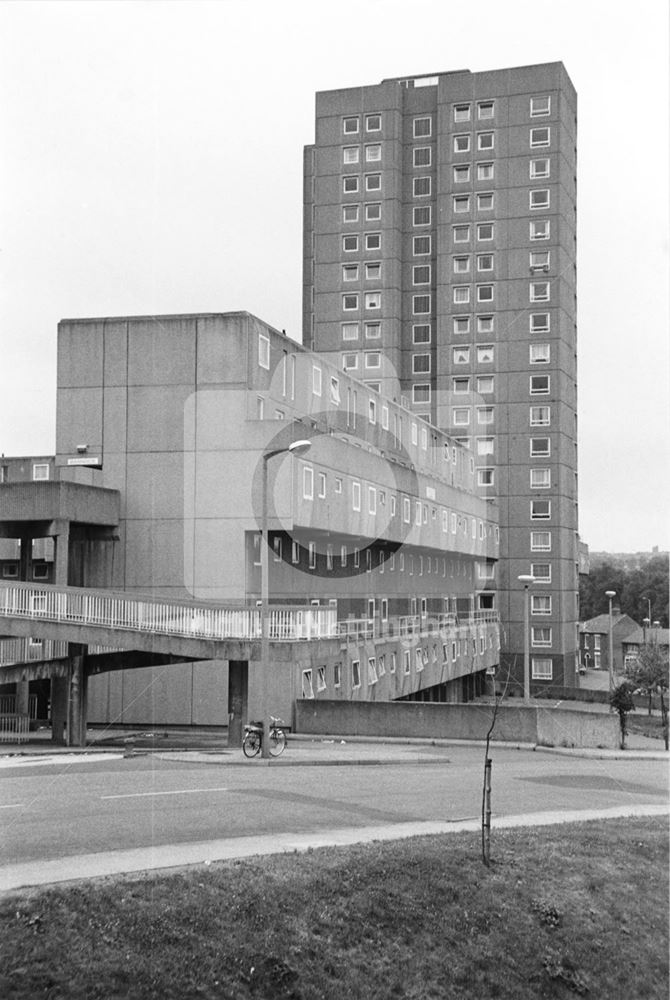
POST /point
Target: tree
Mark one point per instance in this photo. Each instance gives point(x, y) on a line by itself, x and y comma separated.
point(649, 673)
point(621, 700)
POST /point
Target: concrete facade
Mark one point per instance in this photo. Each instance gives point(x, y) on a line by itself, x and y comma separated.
point(439, 264)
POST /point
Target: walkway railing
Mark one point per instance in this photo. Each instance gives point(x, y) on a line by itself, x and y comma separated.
point(409, 625)
point(122, 611)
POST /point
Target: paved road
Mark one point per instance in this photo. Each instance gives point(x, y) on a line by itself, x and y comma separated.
point(68, 807)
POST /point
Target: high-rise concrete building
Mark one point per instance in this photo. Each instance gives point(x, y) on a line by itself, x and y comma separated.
point(439, 267)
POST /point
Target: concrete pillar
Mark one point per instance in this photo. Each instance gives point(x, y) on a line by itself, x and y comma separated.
point(22, 692)
point(238, 683)
point(76, 708)
point(25, 558)
point(59, 709)
point(61, 553)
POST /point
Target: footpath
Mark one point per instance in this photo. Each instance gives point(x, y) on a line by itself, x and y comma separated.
point(206, 748)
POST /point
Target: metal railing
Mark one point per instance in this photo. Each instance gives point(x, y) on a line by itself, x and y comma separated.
point(114, 610)
point(14, 728)
point(412, 625)
point(8, 705)
point(28, 650)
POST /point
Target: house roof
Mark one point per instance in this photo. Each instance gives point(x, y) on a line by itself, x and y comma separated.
point(655, 635)
point(600, 625)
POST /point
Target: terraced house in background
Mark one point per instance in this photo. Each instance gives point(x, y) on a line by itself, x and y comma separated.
point(440, 269)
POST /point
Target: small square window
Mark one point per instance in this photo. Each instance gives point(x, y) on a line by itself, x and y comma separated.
point(421, 215)
point(539, 198)
point(461, 144)
point(461, 294)
point(485, 477)
point(373, 331)
point(373, 241)
point(373, 123)
point(420, 304)
point(540, 167)
point(485, 140)
point(461, 355)
point(542, 668)
point(461, 203)
point(420, 364)
point(373, 211)
point(460, 384)
point(540, 229)
point(460, 416)
point(539, 322)
point(421, 187)
point(539, 260)
point(540, 416)
point(539, 354)
point(540, 541)
point(539, 385)
point(485, 384)
point(485, 201)
point(485, 414)
point(373, 182)
point(421, 393)
point(350, 125)
point(421, 246)
point(485, 354)
point(461, 112)
point(421, 274)
point(421, 333)
point(540, 479)
point(540, 447)
point(350, 213)
point(539, 291)
point(461, 324)
point(540, 106)
point(485, 293)
point(350, 331)
point(263, 353)
point(350, 302)
point(485, 324)
point(350, 185)
point(485, 262)
point(540, 137)
point(373, 300)
point(461, 265)
point(461, 234)
point(373, 271)
point(373, 152)
point(485, 109)
point(485, 231)
point(350, 154)
point(350, 272)
point(541, 572)
point(421, 156)
point(373, 359)
point(350, 244)
point(485, 446)
point(462, 174)
point(349, 362)
point(484, 171)
point(422, 127)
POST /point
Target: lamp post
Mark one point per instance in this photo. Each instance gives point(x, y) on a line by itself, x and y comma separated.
point(610, 594)
point(297, 448)
point(526, 579)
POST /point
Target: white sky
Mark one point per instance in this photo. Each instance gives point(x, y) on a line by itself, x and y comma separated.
point(151, 162)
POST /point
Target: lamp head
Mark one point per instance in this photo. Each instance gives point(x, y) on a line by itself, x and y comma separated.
point(610, 593)
point(299, 447)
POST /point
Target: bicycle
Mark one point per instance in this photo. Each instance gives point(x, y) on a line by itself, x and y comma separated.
point(253, 738)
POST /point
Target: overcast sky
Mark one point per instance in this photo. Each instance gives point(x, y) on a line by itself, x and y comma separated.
point(151, 162)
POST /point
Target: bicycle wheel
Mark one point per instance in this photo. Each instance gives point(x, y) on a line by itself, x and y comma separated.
point(251, 744)
point(277, 742)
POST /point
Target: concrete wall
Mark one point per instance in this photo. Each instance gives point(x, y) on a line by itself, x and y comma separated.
point(535, 724)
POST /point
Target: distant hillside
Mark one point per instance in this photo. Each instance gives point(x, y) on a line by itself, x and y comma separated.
point(640, 580)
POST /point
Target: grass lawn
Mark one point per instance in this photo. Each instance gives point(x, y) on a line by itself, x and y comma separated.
point(563, 911)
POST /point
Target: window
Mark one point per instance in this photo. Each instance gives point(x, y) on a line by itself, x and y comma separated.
point(485, 109)
point(420, 364)
point(308, 483)
point(485, 477)
point(372, 359)
point(461, 355)
point(355, 673)
point(540, 416)
point(350, 154)
point(421, 245)
point(539, 137)
point(540, 541)
point(372, 500)
point(373, 211)
point(485, 446)
point(484, 171)
point(461, 294)
point(312, 555)
point(539, 198)
point(485, 262)
point(349, 362)
point(485, 324)
point(462, 174)
point(421, 215)
point(485, 354)
point(373, 182)
point(350, 185)
point(461, 112)
point(421, 187)
point(461, 264)
point(422, 127)
point(539, 260)
point(539, 291)
point(540, 479)
point(349, 244)
point(41, 470)
point(540, 106)
point(485, 231)
point(461, 234)
point(461, 324)
point(321, 678)
point(350, 331)
point(539, 322)
point(420, 304)
point(541, 668)
point(373, 271)
point(373, 123)
point(349, 302)
point(373, 152)
point(350, 125)
point(350, 272)
point(461, 203)
point(485, 414)
point(484, 293)
point(461, 144)
point(539, 385)
point(372, 670)
point(295, 553)
point(321, 480)
point(355, 495)
point(421, 393)
point(484, 384)
point(539, 354)
point(373, 300)
point(540, 167)
point(540, 229)
point(373, 331)
point(540, 510)
point(421, 333)
point(307, 688)
point(460, 384)
point(540, 447)
point(541, 572)
point(373, 241)
point(485, 201)
point(540, 636)
point(421, 274)
point(485, 140)
point(421, 156)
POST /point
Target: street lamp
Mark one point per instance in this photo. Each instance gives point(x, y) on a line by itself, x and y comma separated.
point(297, 448)
point(526, 579)
point(611, 594)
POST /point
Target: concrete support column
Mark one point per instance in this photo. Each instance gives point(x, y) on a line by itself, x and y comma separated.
point(26, 558)
point(22, 692)
point(59, 709)
point(76, 707)
point(61, 553)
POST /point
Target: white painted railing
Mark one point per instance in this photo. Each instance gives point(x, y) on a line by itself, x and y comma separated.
point(28, 650)
point(8, 705)
point(115, 610)
point(413, 625)
point(14, 728)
